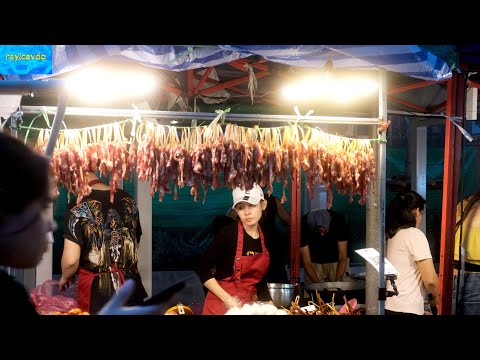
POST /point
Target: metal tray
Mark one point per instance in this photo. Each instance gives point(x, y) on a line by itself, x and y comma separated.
point(336, 285)
point(359, 276)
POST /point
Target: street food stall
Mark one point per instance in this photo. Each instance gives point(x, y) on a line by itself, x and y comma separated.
point(195, 157)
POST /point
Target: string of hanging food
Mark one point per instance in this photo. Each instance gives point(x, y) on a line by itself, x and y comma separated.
point(173, 157)
point(102, 148)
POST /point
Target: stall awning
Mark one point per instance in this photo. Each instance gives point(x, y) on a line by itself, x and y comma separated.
point(410, 60)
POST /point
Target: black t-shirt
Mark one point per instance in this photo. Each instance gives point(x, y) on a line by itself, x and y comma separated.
point(14, 299)
point(108, 234)
point(324, 249)
point(218, 260)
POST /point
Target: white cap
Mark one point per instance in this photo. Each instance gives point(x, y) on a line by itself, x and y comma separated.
point(252, 196)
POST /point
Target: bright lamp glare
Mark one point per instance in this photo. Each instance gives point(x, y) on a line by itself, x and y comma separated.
point(327, 87)
point(97, 85)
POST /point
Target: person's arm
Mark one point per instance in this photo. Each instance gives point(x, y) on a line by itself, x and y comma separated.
point(282, 213)
point(70, 261)
point(307, 264)
point(429, 278)
point(339, 230)
point(215, 257)
point(342, 260)
point(213, 286)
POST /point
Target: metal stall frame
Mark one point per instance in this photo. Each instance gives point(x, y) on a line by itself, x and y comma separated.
point(375, 196)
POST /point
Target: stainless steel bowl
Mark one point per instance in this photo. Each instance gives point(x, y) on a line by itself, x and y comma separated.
point(282, 294)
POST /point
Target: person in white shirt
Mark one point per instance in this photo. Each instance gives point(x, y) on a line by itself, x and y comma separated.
point(408, 250)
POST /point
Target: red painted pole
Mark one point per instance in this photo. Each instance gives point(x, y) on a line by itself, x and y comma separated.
point(295, 215)
point(451, 167)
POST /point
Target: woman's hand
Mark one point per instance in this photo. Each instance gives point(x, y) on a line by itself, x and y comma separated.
point(432, 300)
point(232, 302)
point(65, 283)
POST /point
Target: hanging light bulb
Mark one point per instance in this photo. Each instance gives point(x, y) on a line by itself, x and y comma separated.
point(327, 85)
point(100, 84)
point(328, 67)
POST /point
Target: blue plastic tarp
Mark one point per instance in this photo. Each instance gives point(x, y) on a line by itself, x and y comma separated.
point(410, 60)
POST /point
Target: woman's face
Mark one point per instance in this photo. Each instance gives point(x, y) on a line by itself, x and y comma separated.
point(25, 237)
point(250, 214)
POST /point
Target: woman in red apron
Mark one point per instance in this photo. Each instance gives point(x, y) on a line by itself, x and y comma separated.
point(234, 265)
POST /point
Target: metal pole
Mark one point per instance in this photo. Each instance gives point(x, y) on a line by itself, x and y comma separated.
point(22, 87)
point(57, 123)
point(416, 114)
point(43, 271)
point(76, 111)
point(418, 171)
point(375, 214)
point(382, 175)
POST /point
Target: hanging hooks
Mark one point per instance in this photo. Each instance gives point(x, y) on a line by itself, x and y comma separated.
point(300, 117)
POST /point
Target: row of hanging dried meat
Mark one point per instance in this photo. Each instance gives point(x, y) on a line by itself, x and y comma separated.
point(169, 156)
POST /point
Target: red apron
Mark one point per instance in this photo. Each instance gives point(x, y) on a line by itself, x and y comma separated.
point(85, 279)
point(248, 271)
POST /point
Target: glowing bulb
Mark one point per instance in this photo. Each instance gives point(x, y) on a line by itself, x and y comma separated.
point(329, 87)
point(99, 85)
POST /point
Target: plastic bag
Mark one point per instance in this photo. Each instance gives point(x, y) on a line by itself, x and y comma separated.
point(48, 298)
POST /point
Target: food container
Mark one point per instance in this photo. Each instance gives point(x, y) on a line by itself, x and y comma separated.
point(282, 294)
point(179, 309)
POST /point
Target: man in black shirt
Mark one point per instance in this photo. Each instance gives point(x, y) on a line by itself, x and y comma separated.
point(323, 247)
point(101, 244)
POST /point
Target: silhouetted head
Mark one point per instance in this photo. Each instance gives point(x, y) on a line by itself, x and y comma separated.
point(25, 197)
point(404, 211)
